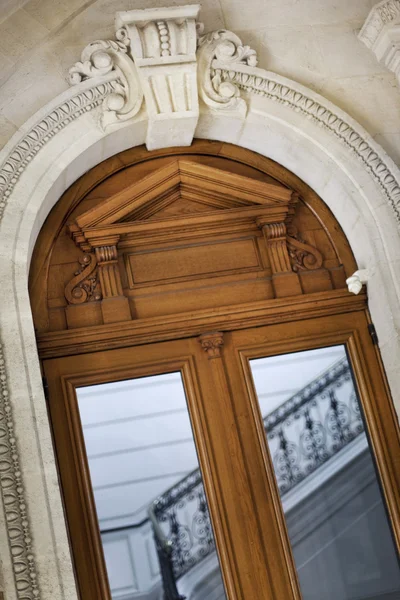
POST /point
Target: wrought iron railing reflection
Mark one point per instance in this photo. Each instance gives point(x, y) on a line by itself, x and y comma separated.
point(313, 425)
point(182, 529)
point(303, 434)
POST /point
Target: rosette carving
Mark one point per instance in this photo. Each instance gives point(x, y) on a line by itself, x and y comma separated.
point(104, 57)
point(84, 286)
point(217, 51)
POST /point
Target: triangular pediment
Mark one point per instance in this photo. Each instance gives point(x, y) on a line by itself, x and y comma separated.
point(175, 195)
point(203, 188)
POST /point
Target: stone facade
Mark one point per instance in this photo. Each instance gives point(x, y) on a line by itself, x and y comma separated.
point(312, 42)
point(110, 110)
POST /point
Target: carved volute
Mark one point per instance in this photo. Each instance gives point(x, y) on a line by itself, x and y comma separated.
point(161, 238)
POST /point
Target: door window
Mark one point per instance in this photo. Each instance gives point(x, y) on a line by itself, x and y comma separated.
point(335, 514)
point(153, 516)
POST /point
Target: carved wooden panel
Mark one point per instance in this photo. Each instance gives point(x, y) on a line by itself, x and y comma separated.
point(146, 235)
point(191, 262)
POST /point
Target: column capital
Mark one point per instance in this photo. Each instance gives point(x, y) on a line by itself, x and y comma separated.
point(212, 343)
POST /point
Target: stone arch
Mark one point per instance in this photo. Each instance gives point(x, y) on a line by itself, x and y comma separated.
point(241, 104)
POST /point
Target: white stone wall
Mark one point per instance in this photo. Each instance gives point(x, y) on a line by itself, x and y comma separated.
point(313, 42)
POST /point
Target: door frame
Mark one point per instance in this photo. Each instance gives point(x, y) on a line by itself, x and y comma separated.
point(210, 378)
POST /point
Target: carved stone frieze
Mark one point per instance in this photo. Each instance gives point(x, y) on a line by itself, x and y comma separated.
point(381, 34)
point(84, 287)
point(45, 129)
point(258, 81)
point(14, 498)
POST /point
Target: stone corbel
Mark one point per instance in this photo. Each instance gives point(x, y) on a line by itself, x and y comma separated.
point(381, 34)
point(163, 47)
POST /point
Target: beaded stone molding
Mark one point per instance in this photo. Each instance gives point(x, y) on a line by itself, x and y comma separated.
point(158, 63)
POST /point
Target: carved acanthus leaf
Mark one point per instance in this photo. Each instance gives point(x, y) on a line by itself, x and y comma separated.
point(216, 51)
point(102, 57)
point(212, 343)
point(303, 256)
point(83, 287)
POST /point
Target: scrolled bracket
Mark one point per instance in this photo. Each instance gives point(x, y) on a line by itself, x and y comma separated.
point(103, 57)
point(83, 287)
point(303, 256)
point(218, 51)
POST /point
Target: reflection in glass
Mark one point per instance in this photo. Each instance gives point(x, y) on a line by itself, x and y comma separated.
point(337, 524)
point(155, 527)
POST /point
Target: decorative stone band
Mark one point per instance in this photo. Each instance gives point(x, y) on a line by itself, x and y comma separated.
point(12, 488)
point(44, 130)
point(257, 81)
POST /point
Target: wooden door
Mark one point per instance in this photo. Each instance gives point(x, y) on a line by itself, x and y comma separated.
point(343, 414)
point(250, 529)
point(247, 571)
point(199, 261)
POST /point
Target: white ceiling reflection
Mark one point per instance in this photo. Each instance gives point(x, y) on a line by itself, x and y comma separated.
point(138, 434)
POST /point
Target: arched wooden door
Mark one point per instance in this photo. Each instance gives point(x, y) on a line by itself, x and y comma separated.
point(204, 288)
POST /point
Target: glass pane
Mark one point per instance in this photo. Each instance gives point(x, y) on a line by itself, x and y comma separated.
point(153, 516)
point(337, 523)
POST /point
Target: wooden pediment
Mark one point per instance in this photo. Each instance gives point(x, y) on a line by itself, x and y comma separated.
point(181, 194)
point(184, 233)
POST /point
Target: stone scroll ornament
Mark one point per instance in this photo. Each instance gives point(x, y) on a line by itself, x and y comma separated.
point(226, 48)
point(100, 58)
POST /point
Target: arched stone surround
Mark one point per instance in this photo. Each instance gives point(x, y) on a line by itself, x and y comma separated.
point(283, 121)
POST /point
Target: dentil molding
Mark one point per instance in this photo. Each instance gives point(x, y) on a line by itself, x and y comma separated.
point(381, 34)
point(161, 64)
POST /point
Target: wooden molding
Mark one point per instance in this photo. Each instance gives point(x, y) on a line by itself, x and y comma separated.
point(214, 187)
point(143, 331)
point(191, 222)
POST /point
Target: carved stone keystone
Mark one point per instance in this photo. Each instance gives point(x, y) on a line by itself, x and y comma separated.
point(163, 47)
point(381, 34)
